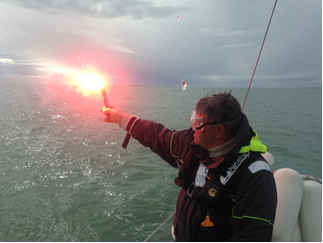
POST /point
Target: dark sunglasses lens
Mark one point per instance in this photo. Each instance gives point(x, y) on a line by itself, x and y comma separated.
point(200, 127)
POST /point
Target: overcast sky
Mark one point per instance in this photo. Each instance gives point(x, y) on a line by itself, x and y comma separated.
point(207, 42)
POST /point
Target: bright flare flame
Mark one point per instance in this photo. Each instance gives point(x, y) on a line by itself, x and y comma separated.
point(89, 82)
point(86, 81)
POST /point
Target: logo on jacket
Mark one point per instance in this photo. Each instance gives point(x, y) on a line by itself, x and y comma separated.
point(233, 168)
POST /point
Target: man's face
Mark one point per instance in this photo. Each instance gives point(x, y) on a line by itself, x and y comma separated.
point(203, 136)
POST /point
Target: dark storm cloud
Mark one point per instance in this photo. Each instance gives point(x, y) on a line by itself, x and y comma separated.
point(103, 8)
point(214, 42)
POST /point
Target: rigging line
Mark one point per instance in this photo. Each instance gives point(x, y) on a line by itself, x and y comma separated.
point(159, 227)
point(262, 46)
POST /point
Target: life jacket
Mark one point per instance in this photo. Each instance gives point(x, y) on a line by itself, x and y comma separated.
point(200, 225)
point(217, 184)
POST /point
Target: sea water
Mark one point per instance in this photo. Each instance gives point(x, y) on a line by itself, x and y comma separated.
point(65, 177)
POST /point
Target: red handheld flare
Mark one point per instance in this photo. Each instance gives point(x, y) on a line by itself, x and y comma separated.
point(105, 98)
point(107, 105)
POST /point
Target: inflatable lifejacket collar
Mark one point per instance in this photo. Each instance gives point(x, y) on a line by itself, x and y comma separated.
point(255, 145)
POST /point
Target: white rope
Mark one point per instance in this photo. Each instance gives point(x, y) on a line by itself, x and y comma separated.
point(159, 227)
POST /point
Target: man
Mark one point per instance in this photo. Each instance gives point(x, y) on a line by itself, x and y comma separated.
point(227, 191)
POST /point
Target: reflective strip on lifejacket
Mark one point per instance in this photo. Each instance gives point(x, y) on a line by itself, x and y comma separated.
point(255, 145)
point(259, 165)
point(251, 217)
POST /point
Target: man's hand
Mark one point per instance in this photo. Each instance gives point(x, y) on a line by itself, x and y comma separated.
point(113, 115)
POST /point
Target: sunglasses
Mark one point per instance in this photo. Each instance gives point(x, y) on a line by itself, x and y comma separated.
point(196, 127)
point(197, 123)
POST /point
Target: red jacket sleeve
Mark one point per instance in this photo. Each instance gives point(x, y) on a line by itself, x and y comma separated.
point(163, 141)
